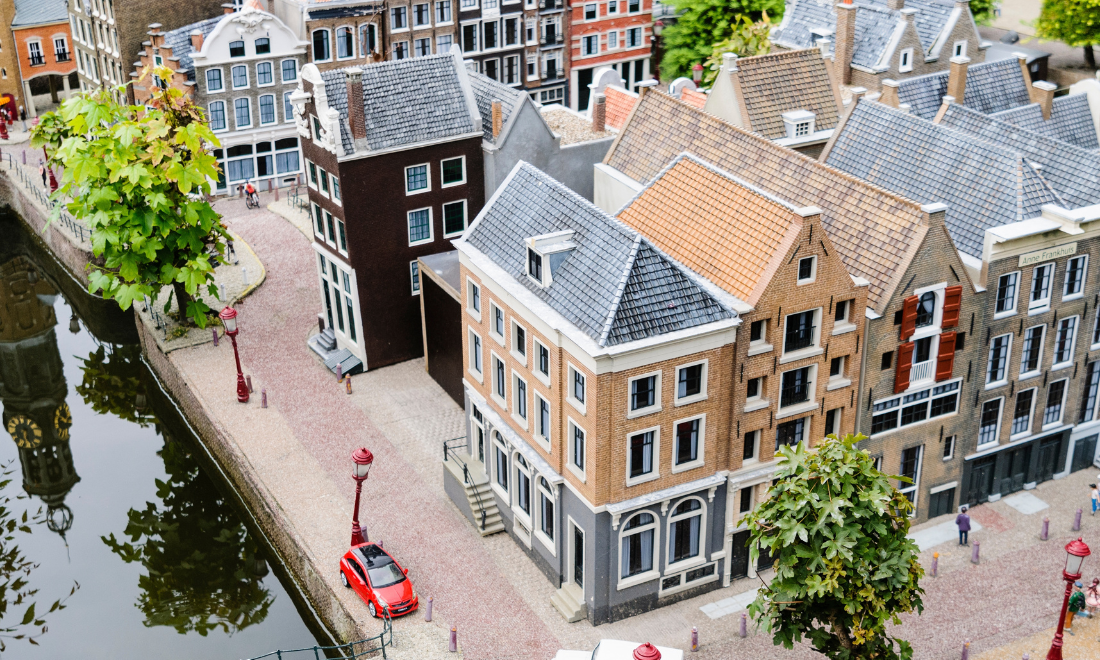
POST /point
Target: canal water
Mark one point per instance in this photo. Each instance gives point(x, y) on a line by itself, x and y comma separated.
point(129, 525)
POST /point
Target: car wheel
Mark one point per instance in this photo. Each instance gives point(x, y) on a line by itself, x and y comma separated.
point(344, 579)
point(373, 610)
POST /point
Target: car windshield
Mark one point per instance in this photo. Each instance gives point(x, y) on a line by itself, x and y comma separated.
point(385, 576)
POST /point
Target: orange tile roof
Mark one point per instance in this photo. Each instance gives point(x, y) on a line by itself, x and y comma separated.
point(694, 98)
point(619, 104)
point(876, 232)
point(781, 82)
point(709, 221)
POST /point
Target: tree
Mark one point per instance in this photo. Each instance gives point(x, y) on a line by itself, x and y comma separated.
point(112, 383)
point(1075, 22)
point(138, 177)
point(844, 567)
point(748, 39)
point(704, 23)
point(984, 11)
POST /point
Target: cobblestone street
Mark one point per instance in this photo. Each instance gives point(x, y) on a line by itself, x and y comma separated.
point(488, 589)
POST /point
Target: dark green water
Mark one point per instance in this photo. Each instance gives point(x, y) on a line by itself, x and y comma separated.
point(129, 523)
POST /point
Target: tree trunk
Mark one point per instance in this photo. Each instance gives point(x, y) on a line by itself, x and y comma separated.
point(182, 298)
point(1090, 57)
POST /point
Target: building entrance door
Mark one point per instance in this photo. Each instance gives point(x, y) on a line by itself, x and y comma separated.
point(1048, 457)
point(739, 556)
point(1016, 464)
point(1084, 452)
point(578, 557)
point(981, 479)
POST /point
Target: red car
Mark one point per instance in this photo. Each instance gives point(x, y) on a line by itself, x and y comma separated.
point(378, 579)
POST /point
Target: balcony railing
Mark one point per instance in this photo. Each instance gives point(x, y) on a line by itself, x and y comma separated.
point(61, 55)
point(921, 371)
point(37, 60)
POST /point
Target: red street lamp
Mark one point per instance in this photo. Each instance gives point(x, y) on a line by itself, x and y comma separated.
point(697, 73)
point(363, 459)
point(647, 651)
point(1076, 551)
point(229, 319)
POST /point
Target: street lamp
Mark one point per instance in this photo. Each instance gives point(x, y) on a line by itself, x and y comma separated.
point(363, 459)
point(697, 74)
point(1076, 551)
point(229, 319)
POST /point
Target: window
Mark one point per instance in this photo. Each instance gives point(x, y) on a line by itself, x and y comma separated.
point(905, 61)
point(590, 45)
point(641, 455)
point(534, 265)
point(643, 392)
point(915, 407)
point(242, 113)
point(576, 452)
point(416, 179)
point(546, 508)
point(1021, 416)
point(687, 449)
point(240, 77)
point(519, 341)
point(1040, 287)
point(454, 171)
point(501, 467)
point(1064, 341)
point(689, 382)
point(910, 468)
point(519, 392)
point(612, 37)
point(289, 70)
point(1032, 357)
point(590, 11)
point(832, 421)
point(1056, 395)
point(795, 387)
point(498, 322)
point(489, 38)
point(475, 298)
point(1092, 388)
point(758, 331)
point(414, 271)
point(960, 48)
point(263, 46)
point(613, 7)
point(443, 43)
point(634, 6)
point(422, 47)
point(790, 433)
point(368, 39)
point(634, 37)
point(1006, 293)
point(286, 156)
point(523, 486)
point(400, 50)
point(840, 315)
point(443, 11)
point(316, 128)
point(802, 129)
point(475, 354)
point(990, 418)
point(214, 80)
point(685, 527)
point(1096, 329)
point(265, 74)
point(312, 175)
point(543, 355)
point(638, 548)
point(324, 182)
point(996, 370)
point(420, 226)
point(422, 15)
point(267, 109)
point(754, 389)
point(398, 18)
point(321, 46)
point(469, 38)
point(454, 218)
point(926, 309)
point(542, 429)
point(800, 331)
point(1075, 278)
point(752, 446)
point(836, 367)
point(335, 188)
point(236, 49)
point(948, 447)
point(577, 390)
point(217, 116)
point(499, 385)
point(511, 70)
point(320, 225)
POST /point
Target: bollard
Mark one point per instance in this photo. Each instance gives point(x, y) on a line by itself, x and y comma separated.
point(974, 555)
point(1045, 533)
point(1027, 656)
point(339, 373)
point(453, 648)
point(221, 288)
point(1077, 521)
point(966, 650)
point(428, 612)
point(744, 625)
point(215, 331)
point(240, 192)
point(263, 398)
point(694, 639)
point(935, 563)
point(381, 544)
point(347, 381)
point(269, 185)
point(276, 193)
point(248, 381)
point(24, 156)
point(244, 275)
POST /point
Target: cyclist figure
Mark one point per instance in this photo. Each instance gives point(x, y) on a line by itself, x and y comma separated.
point(251, 192)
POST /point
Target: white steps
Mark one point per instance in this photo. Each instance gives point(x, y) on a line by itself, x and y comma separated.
point(478, 494)
point(569, 601)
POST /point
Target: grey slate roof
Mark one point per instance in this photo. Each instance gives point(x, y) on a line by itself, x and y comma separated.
point(984, 185)
point(405, 101)
point(485, 91)
point(615, 286)
point(39, 12)
point(1073, 172)
point(179, 40)
point(1070, 120)
point(990, 87)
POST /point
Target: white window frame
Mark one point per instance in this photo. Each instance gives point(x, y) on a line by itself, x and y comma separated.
point(450, 12)
point(247, 77)
point(595, 7)
point(1003, 380)
point(516, 355)
point(1084, 258)
point(415, 281)
point(471, 287)
point(1056, 366)
point(1093, 345)
point(476, 367)
point(225, 116)
point(496, 444)
point(699, 559)
point(655, 572)
point(759, 401)
point(1042, 348)
point(755, 445)
point(544, 439)
point(288, 59)
point(782, 412)
point(915, 486)
point(905, 61)
point(537, 525)
point(700, 458)
point(815, 346)
point(274, 108)
point(655, 472)
point(1043, 304)
point(206, 81)
point(336, 42)
point(1016, 275)
point(237, 126)
point(270, 84)
point(544, 378)
point(586, 41)
point(498, 337)
point(576, 403)
point(1030, 414)
point(431, 226)
point(334, 188)
point(801, 281)
point(758, 346)
point(428, 177)
point(393, 15)
point(456, 183)
point(997, 430)
point(572, 426)
point(959, 48)
point(465, 218)
point(1061, 409)
point(691, 398)
point(517, 379)
point(949, 441)
point(494, 380)
point(648, 410)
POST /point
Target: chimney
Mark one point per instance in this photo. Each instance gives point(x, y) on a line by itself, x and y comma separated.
point(196, 40)
point(895, 5)
point(956, 79)
point(889, 93)
point(845, 41)
point(645, 86)
point(357, 117)
point(498, 118)
point(1043, 92)
point(857, 94)
point(1021, 58)
point(599, 114)
point(228, 8)
point(729, 62)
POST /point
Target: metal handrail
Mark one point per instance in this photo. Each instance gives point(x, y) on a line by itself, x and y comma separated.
point(450, 448)
point(345, 651)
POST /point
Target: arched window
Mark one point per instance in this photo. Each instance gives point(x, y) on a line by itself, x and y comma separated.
point(638, 545)
point(345, 43)
point(685, 537)
point(501, 461)
point(926, 309)
point(523, 485)
point(320, 46)
point(546, 508)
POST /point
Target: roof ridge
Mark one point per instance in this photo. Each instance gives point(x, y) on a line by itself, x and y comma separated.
point(1028, 132)
point(613, 308)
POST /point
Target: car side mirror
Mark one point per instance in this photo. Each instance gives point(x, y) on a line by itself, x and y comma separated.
point(406, 571)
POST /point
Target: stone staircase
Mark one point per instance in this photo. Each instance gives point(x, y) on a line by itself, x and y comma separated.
point(478, 494)
point(569, 600)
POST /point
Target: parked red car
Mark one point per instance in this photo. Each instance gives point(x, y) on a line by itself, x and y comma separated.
point(378, 579)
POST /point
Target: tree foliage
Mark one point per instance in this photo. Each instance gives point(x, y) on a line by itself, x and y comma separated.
point(844, 567)
point(138, 176)
point(748, 39)
point(705, 23)
point(1075, 22)
point(983, 10)
point(112, 385)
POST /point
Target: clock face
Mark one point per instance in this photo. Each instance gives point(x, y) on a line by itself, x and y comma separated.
point(62, 420)
point(25, 432)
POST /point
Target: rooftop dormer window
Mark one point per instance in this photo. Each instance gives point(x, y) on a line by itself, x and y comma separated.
point(546, 253)
point(534, 265)
point(263, 46)
point(236, 49)
point(799, 123)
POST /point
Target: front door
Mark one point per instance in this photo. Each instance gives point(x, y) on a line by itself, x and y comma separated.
point(1048, 457)
point(1084, 452)
point(941, 503)
point(578, 557)
point(584, 79)
point(739, 556)
point(1016, 465)
point(766, 560)
point(981, 479)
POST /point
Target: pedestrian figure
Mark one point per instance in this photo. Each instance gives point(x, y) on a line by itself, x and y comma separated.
point(230, 252)
point(42, 172)
point(1095, 498)
point(963, 521)
point(1076, 604)
point(1092, 596)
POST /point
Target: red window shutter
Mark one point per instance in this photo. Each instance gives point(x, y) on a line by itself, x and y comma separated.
point(905, 364)
point(945, 361)
point(952, 301)
point(909, 317)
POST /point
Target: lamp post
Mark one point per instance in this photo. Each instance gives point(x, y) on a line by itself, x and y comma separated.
point(229, 319)
point(363, 459)
point(658, 28)
point(697, 74)
point(1076, 551)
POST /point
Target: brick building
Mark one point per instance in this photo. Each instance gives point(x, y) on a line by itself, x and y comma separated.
point(608, 33)
point(43, 46)
point(347, 34)
point(11, 84)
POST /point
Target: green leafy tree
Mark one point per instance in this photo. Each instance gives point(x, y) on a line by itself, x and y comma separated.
point(1075, 22)
point(844, 567)
point(112, 383)
point(202, 569)
point(984, 11)
point(703, 24)
point(138, 177)
point(748, 39)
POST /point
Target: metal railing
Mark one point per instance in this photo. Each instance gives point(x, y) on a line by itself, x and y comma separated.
point(61, 55)
point(451, 447)
point(37, 60)
point(349, 651)
point(30, 181)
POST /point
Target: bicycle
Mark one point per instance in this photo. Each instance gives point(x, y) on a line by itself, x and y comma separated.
point(252, 201)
